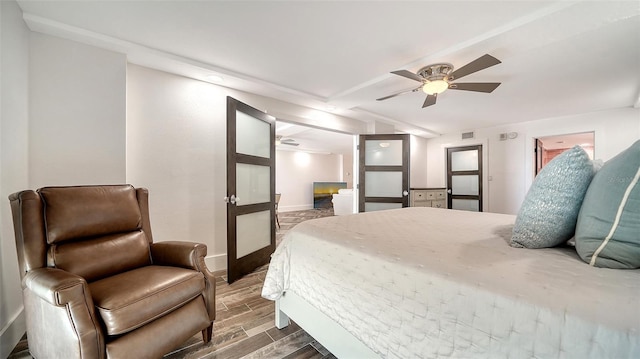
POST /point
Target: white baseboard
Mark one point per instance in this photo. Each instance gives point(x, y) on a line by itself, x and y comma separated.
point(216, 262)
point(11, 333)
point(300, 207)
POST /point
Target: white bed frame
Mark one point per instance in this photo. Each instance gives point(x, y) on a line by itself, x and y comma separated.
point(325, 330)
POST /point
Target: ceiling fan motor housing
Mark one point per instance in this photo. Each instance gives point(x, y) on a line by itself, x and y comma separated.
point(436, 72)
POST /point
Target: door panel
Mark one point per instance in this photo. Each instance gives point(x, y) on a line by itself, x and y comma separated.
point(254, 136)
point(253, 232)
point(252, 184)
point(465, 185)
point(383, 152)
point(250, 189)
point(464, 178)
point(466, 160)
point(384, 172)
point(466, 204)
point(383, 184)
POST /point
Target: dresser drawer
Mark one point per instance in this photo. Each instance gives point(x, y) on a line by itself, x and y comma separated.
point(419, 195)
point(431, 195)
point(421, 204)
point(428, 197)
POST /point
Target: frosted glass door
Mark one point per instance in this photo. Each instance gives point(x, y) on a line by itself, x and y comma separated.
point(384, 172)
point(464, 178)
point(250, 189)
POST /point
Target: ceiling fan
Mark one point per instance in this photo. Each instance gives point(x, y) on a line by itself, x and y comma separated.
point(437, 78)
point(286, 141)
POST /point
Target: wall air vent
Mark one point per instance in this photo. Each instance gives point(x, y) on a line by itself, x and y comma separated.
point(467, 135)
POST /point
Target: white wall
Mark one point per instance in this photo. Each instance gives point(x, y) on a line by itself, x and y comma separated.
point(510, 163)
point(63, 124)
point(14, 61)
point(418, 162)
point(295, 173)
point(347, 169)
point(77, 113)
point(176, 147)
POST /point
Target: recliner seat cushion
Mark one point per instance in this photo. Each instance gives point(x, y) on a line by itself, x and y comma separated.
point(131, 299)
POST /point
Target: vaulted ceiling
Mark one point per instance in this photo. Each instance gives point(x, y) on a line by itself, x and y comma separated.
point(558, 58)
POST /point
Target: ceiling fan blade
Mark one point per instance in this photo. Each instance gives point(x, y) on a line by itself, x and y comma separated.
point(397, 94)
point(430, 100)
point(409, 75)
point(475, 86)
point(478, 64)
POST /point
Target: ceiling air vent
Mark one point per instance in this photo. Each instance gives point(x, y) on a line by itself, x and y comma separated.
point(466, 135)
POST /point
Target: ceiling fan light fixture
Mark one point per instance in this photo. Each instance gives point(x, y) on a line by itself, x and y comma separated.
point(435, 87)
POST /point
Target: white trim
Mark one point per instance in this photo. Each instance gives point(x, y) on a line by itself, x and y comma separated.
point(325, 330)
point(12, 332)
point(616, 222)
point(216, 262)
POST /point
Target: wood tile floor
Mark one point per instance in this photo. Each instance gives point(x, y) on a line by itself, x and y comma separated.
point(244, 325)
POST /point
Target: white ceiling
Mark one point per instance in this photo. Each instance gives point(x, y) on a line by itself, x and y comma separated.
point(313, 140)
point(558, 57)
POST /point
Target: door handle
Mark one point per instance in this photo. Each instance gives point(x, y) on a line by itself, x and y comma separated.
point(405, 193)
point(449, 190)
point(233, 199)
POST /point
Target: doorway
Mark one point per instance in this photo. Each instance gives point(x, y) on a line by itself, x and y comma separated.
point(548, 147)
point(464, 178)
point(306, 155)
point(383, 172)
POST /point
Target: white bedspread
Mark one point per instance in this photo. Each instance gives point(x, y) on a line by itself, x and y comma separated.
point(427, 283)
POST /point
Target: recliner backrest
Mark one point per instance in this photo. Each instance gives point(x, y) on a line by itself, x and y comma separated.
point(91, 231)
point(94, 231)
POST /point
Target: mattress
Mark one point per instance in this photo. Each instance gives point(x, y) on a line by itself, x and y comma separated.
point(426, 283)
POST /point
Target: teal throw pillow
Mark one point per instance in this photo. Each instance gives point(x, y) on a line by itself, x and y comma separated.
point(550, 209)
point(608, 228)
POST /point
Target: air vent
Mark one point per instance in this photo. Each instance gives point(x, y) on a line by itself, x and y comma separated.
point(467, 135)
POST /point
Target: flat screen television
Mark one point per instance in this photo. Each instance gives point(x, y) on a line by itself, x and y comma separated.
point(323, 193)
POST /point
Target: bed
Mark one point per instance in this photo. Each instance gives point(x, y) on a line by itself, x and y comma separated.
point(426, 283)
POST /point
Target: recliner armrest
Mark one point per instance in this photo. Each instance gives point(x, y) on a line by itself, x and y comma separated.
point(56, 286)
point(187, 255)
point(51, 294)
point(179, 254)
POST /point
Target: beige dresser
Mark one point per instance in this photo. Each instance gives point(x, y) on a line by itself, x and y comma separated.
point(428, 197)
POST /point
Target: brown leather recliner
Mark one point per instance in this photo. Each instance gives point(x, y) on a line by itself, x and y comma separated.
point(94, 283)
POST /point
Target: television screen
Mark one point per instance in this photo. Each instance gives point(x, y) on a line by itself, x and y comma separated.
point(323, 193)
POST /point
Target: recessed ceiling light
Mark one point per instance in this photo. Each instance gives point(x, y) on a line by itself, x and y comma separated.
point(215, 78)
